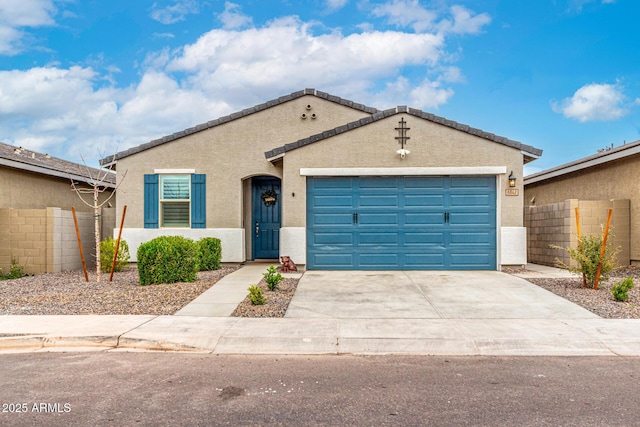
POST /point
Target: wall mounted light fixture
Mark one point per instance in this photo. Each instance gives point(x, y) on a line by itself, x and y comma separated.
point(512, 180)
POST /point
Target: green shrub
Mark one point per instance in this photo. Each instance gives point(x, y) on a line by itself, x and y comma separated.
point(16, 271)
point(168, 259)
point(587, 255)
point(620, 289)
point(256, 296)
point(107, 248)
point(272, 277)
point(210, 250)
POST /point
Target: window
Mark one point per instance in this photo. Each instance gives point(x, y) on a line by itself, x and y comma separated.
point(175, 200)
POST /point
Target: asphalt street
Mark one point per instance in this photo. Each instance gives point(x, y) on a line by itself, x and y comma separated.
point(120, 388)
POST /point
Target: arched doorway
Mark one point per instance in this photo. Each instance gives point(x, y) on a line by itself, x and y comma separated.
point(266, 215)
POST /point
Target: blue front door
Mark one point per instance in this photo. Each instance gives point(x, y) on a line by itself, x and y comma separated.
point(410, 223)
point(266, 217)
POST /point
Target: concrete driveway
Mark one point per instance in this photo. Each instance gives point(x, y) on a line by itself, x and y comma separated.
point(426, 295)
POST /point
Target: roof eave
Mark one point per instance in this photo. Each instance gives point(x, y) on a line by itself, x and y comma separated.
point(237, 115)
point(584, 163)
point(50, 172)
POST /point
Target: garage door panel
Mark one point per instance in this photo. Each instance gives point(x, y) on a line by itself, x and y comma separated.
point(421, 182)
point(378, 261)
point(333, 201)
point(470, 218)
point(424, 200)
point(377, 183)
point(471, 238)
point(332, 260)
point(466, 200)
point(476, 182)
point(333, 239)
point(388, 238)
point(424, 261)
point(378, 201)
point(422, 239)
point(332, 184)
point(471, 261)
point(335, 219)
point(370, 219)
point(424, 219)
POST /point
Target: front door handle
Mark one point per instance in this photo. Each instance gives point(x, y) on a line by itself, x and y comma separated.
point(257, 228)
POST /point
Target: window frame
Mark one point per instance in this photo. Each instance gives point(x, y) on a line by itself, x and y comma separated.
point(162, 201)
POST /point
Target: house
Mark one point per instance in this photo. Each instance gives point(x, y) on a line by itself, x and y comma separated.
point(36, 224)
point(32, 180)
point(609, 180)
point(334, 185)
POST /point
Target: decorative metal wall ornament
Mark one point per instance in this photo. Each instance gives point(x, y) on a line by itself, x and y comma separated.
point(402, 139)
point(269, 198)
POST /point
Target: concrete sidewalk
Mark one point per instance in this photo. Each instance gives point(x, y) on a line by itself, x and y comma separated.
point(204, 326)
point(226, 335)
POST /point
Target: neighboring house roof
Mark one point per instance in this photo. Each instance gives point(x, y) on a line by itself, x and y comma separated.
point(529, 152)
point(602, 157)
point(31, 161)
point(107, 161)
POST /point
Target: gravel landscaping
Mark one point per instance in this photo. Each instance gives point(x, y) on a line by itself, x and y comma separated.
point(277, 302)
point(69, 293)
point(600, 302)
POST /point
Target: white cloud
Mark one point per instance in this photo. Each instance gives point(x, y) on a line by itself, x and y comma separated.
point(464, 21)
point(427, 94)
point(163, 35)
point(174, 13)
point(227, 69)
point(593, 102)
point(334, 5)
point(285, 53)
point(410, 13)
point(233, 18)
point(407, 13)
point(577, 5)
point(16, 15)
point(49, 109)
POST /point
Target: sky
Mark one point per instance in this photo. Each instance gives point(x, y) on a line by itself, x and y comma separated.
point(83, 79)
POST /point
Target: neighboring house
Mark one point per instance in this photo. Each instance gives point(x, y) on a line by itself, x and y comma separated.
point(610, 174)
point(334, 185)
point(37, 229)
point(31, 180)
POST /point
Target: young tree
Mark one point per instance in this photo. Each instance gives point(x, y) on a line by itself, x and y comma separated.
point(97, 179)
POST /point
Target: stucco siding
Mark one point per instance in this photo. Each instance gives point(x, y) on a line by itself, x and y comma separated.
point(613, 180)
point(228, 154)
point(375, 146)
point(26, 190)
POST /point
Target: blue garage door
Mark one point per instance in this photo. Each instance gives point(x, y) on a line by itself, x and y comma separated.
point(407, 223)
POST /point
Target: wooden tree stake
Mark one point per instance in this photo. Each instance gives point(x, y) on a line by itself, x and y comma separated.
point(84, 264)
point(604, 245)
point(115, 255)
point(584, 276)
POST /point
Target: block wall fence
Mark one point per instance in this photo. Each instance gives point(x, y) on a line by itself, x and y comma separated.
point(44, 240)
point(555, 224)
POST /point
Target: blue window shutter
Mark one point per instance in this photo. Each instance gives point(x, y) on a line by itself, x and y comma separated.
point(151, 201)
point(198, 201)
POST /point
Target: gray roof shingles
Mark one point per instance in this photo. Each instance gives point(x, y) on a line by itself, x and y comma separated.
point(379, 115)
point(374, 113)
point(605, 155)
point(58, 167)
point(235, 116)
